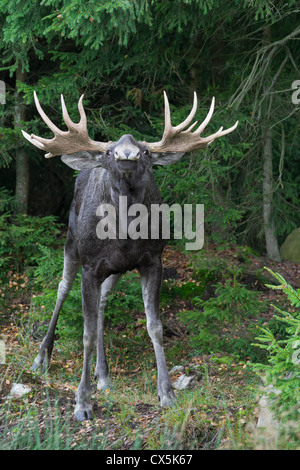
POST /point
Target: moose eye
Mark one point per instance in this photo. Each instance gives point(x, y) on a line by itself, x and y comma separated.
point(108, 153)
point(146, 152)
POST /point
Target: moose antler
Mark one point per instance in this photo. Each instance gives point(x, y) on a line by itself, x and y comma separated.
point(73, 140)
point(176, 139)
point(76, 138)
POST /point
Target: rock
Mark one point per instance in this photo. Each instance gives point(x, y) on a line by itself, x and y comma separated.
point(290, 250)
point(2, 352)
point(176, 369)
point(183, 382)
point(18, 390)
point(267, 425)
point(266, 418)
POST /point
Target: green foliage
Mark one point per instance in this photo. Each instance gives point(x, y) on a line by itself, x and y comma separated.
point(70, 322)
point(224, 322)
point(108, 18)
point(49, 267)
point(7, 201)
point(126, 299)
point(47, 277)
point(283, 368)
point(208, 268)
point(21, 26)
point(122, 54)
point(21, 238)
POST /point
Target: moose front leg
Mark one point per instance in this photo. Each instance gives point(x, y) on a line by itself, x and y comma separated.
point(101, 371)
point(71, 267)
point(90, 289)
point(151, 280)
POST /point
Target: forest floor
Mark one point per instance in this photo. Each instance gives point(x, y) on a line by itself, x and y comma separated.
point(218, 411)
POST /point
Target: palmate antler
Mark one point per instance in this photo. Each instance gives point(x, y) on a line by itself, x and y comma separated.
point(65, 142)
point(176, 139)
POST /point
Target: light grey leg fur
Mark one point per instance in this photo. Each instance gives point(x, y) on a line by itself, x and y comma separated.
point(90, 289)
point(101, 371)
point(94, 297)
point(71, 267)
point(151, 280)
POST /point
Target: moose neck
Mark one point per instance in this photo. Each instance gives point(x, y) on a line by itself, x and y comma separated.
point(133, 186)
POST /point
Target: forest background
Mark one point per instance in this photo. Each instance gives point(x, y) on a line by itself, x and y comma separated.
point(122, 55)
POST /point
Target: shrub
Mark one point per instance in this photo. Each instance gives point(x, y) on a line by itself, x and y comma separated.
point(224, 323)
point(21, 238)
point(7, 201)
point(283, 368)
point(125, 299)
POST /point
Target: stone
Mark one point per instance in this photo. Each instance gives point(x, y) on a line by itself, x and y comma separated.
point(18, 390)
point(2, 352)
point(176, 369)
point(290, 250)
point(183, 382)
point(268, 426)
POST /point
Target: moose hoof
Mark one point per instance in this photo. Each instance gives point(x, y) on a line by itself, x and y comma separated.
point(38, 362)
point(167, 401)
point(104, 384)
point(41, 361)
point(83, 413)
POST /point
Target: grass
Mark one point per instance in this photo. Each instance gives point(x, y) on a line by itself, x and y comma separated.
point(219, 411)
point(208, 416)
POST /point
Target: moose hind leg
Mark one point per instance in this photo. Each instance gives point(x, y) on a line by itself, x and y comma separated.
point(71, 267)
point(151, 281)
point(101, 371)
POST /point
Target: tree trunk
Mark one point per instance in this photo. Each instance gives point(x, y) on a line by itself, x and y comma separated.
point(267, 166)
point(22, 161)
point(268, 221)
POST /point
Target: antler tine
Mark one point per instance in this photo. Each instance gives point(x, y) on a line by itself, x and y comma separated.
point(168, 124)
point(178, 139)
point(70, 124)
point(73, 140)
point(220, 133)
point(65, 113)
point(44, 116)
point(83, 119)
point(188, 120)
point(182, 125)
point(208, 117)
point(32, 139)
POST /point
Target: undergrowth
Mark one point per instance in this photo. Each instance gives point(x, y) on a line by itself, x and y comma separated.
point(216, 333)
point(283, 368)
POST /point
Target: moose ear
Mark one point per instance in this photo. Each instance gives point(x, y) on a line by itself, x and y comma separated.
point(166, 158)
point(84, 160)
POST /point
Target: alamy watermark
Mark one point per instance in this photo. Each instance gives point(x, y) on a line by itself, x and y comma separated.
point(296, 94)
point(2, 92)
point(140, 222)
